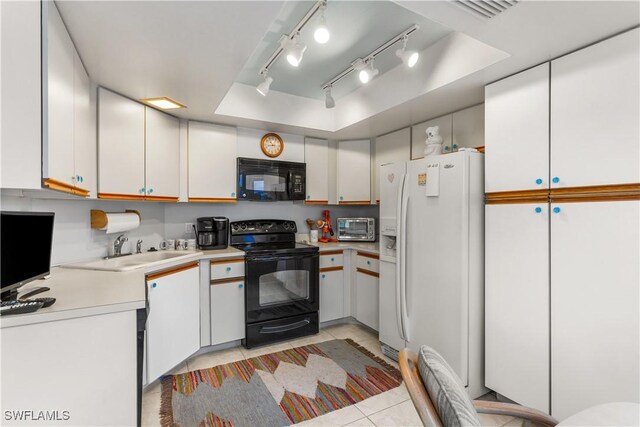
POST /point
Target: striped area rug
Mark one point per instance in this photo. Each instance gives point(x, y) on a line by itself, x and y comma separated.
point(276, 389)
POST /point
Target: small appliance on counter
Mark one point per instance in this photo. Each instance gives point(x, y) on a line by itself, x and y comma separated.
point(357, 229)
point(212, 232)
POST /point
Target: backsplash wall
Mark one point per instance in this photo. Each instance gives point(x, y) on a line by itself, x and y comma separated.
point(74, 240)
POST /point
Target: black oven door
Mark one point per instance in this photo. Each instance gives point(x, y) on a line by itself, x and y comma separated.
point(280, 286)
point(270, 180)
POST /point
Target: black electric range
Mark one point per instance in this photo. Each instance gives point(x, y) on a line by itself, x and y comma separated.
point(281, 281)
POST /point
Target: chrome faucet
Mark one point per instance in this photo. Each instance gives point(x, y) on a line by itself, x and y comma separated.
point(117, 245)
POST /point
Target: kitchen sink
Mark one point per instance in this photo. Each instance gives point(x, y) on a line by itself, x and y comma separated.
point(132, 262)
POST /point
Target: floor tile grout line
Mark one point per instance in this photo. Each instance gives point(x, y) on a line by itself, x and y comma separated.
point(388, 407)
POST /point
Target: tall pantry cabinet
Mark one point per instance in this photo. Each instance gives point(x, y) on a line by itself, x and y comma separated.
point(563, 252)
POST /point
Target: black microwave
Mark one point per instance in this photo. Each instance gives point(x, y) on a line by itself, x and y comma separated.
point(271, 180)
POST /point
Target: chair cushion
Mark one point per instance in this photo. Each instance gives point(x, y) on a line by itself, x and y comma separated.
point(446, 390)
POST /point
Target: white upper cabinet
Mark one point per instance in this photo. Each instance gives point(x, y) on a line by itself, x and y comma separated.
point(354, 172)
point(21, 131)
point(517, 132)
point(468, 128)
point(595, 114)
point(120, 147)
point(419, 135)
point(316, 156)
point(390, 148)
point(162, 160)
point(84, 131)
point(212, 163)
point(59, 150)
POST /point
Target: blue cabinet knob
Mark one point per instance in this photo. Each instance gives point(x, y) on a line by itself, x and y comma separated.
point(228, 269)
point(240, 286)
point(154, 284)
point(332, 259)
point(368, 262)
point(308, 196)
point(555, 180)
point(150, 190)
point(539, 181)
point(341, 198)
point(142, 190)
point(233, 194)
point(455, 146)
point(323, 276)
point(538, 209)
point(556, 210)
point(446, 148)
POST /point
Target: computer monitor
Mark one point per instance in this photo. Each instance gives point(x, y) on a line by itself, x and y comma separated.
point(25, 249)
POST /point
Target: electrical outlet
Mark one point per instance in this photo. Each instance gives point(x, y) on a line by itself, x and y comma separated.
point(188, 228)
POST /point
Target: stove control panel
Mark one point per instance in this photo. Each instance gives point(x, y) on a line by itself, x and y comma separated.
point(268, 226)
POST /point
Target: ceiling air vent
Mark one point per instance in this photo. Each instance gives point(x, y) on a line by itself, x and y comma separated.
point(486, 8)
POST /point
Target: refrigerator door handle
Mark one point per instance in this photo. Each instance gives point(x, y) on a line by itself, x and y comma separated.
point(403, 260)
point(399, 256)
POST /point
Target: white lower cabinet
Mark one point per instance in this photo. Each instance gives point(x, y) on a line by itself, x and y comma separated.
point(595, 322)
point(173, 325)
point(331, 294)
point(517, 302)
point(367, 298)
point(227, 311)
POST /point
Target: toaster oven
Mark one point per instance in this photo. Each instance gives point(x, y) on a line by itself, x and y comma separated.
point(357, 229)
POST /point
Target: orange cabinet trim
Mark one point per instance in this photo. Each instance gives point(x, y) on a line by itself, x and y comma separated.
point(212, 200)
point(326, 269)
point(162, 198)
point(597, 189)
point(368, 255)
point(53, 184)
point(595, 198)
point(173, 270)
point(227, 280)
point(114, 196)
point(355, 202)
point(370, 273)
point(322, 253)
point(316, 202)
point(226, 260)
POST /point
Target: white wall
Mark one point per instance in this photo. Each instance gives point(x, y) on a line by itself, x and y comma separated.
point(74, 240)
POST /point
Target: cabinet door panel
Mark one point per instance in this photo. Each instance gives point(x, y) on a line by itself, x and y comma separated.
point(367, 299)
point(212, 161)
point(120, 145)
point(595, 129)
point(468, 128)
point(316, 155)
point(517, 132)
point(419, 135)
point(517, 302)
point(354, 171)
point(227, 312)
point(595, 329)
point(331, 295)
point(390, 148)
point(58, 150)
point(162, 144)
point(173, 325)
point(84, 140)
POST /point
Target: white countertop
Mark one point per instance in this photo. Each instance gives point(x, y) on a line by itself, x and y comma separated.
point(369, 247)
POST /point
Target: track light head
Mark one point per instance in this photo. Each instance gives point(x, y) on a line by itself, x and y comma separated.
point(368, 72)
point(294, 49)
point(322, 35)
point(329, 102)
point(408, 57)
point(263, 88)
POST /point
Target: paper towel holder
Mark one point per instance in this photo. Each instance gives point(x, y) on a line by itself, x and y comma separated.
point(99, 218)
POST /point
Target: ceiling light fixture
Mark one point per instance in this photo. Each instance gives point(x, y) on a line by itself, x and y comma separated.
point(329, 102)
point(364, 67)
point(263, 88)
point(291, 44)
point(322, 35)
point(409, 57)
point(163, 103)
point(295, 49)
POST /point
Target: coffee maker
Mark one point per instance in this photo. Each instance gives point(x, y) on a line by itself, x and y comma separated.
point(213, 232)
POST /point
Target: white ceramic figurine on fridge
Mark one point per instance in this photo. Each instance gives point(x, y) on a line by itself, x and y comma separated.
point(433, 143)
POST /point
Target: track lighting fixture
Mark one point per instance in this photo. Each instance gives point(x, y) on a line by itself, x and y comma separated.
point(409, 57)
point(366, 72)
point(322, 35)
point(329, 102)
point(295, 49)
point(263, 88)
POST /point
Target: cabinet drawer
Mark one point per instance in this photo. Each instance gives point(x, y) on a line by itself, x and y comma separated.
point(331, 259)
point(368, 262)
point(227, 268)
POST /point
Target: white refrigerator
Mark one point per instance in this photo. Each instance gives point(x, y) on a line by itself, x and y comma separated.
point(432, 260)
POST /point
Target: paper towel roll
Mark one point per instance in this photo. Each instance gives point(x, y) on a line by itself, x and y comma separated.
point(119, 222)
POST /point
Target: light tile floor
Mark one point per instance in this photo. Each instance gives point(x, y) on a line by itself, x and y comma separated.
point(392, 408)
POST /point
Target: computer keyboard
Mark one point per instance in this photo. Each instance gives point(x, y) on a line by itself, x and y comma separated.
point(19, 307)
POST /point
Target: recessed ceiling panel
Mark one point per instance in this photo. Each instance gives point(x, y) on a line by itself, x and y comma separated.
point(357, 28)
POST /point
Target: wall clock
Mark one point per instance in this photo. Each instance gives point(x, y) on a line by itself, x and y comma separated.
point(272, 145)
